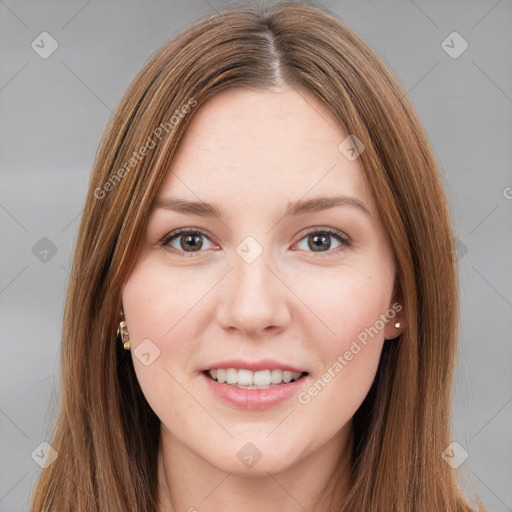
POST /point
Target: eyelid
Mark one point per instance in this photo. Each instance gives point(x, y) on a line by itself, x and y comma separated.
point(325, 229)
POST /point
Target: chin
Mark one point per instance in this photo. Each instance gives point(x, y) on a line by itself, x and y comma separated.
point(254, 458)
point(262, 468)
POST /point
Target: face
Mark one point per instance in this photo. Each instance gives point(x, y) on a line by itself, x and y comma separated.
point(260, 282)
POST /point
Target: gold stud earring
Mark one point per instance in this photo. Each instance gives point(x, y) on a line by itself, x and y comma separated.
point(125, 337)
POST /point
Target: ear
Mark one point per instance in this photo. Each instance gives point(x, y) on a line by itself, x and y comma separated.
point(396, 312)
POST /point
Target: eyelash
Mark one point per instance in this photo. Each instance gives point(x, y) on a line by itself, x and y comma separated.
point(338, 235)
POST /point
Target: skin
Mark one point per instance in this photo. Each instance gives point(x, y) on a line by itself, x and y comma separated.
point(252, 152)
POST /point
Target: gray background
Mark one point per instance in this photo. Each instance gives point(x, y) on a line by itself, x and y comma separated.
point(53, 113)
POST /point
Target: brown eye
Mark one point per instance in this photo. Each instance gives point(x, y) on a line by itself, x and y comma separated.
point(185, 241)
point(319, 241)
point(190, 242)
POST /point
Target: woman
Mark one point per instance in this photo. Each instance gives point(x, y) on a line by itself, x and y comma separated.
point(267, 232)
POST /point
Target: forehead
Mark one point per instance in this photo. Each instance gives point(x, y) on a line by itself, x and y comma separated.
point(248, 146)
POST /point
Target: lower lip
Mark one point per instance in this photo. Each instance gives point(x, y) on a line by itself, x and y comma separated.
point(254, 398)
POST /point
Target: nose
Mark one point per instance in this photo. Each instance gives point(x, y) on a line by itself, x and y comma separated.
point(254, 298)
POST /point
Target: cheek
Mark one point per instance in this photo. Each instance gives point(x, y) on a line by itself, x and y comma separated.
point(159, 305)
point(348, 339)
point(346, 304)
point(165, 319)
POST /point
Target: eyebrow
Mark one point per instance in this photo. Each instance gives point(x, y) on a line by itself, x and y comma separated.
point(295, 208)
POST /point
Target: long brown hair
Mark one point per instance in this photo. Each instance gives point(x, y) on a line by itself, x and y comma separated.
point(106, 434)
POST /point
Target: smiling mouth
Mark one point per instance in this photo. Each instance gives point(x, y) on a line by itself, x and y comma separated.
point(247, 379)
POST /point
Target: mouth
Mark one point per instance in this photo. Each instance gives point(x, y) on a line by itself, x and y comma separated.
point(243, 378)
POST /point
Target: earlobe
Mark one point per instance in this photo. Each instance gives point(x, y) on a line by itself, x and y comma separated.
point(391, 333)
point(125, 337)
point(397, 321)
point(399, 314)
point(394, 334)
point(122, 331)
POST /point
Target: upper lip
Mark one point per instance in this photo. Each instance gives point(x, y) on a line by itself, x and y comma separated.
point(262, 364)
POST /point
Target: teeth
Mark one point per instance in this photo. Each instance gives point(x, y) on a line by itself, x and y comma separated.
point(245, 378)
point(261, 378)
point(248, 379)
point(287, 376)
point(231, 376)
point(276, 376)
